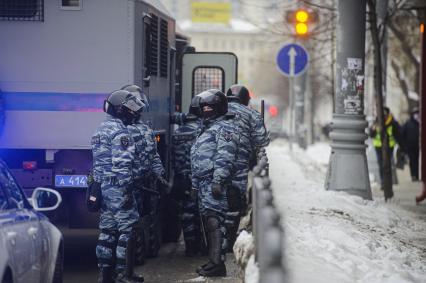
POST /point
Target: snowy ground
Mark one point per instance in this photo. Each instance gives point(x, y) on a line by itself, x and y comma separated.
point(334, 237)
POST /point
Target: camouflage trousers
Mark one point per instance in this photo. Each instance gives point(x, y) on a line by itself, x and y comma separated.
point(117, 220)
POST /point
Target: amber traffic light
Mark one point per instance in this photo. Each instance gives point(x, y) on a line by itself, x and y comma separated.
point(301, 21)
point(301, 26)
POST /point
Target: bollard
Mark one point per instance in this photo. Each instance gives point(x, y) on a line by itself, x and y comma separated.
point(274, 275)
point(274, 270)
point(266, 227)
point(268, 218)
point(263, 197)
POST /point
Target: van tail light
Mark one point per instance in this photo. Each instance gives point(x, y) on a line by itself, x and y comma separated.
point(29, 165)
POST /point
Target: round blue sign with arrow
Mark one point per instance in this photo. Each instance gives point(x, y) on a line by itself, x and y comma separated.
point(292, 60)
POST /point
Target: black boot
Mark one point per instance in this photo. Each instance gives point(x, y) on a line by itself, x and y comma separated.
point(130, 262)
point(105, 275)
point(216, 266)
point(214, 270)
point(207, 266)
point(122, 277)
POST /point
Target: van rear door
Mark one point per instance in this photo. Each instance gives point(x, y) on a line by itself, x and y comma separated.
point(206, 70)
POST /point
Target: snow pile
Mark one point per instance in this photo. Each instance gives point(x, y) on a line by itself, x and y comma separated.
point(252, 271)
point(243, 248)
point(244, 256)
point(335, 237)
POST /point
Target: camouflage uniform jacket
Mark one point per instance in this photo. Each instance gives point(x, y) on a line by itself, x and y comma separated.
point(214, 153)
point(147, 161)
point(113, 152)
point(254, 133)
point(182, 141)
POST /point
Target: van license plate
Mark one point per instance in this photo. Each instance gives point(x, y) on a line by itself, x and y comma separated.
point(71, 181)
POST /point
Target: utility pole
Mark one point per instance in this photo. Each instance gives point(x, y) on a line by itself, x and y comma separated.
point(292, 55)
point(347, 169)
point(382, 18)
point(423, 102)
point(378, 83)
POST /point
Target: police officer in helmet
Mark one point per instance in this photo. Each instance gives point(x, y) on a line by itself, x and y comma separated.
point(182, 140)
point(113, 156)
point(147, 169)
point(253, 136)
point(213, 163)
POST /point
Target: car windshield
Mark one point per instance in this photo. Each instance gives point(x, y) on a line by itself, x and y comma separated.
point(3, 201)
point(9, 186)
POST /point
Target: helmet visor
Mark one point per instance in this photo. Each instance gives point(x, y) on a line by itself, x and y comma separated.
point(134, 104)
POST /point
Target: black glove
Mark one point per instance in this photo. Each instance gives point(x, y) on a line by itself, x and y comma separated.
point(164, 185)
point(93, 196)
point(163, 181)
point(233, 195)
point(217, 191)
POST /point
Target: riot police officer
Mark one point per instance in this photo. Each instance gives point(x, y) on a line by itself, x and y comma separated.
point(113, 155)
point(182, 140)
point(213, 163)
point(147, 168)
point(253, 136)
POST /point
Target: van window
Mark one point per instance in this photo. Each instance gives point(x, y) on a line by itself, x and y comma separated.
point(207, 77)
point(71, 4)
point(21, 10)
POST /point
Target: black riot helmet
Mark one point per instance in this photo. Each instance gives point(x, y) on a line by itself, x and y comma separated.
point(137, 91)
point(123, 105)
point(239, 92)
point(213, 104)
point(194, 107)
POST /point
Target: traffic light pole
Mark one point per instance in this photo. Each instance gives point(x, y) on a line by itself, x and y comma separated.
point(347, 169)
point(291, 113)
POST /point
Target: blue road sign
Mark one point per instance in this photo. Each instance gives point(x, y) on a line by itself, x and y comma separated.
point(292, 60)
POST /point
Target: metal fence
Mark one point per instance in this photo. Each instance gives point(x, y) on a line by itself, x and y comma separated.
point(267, 230)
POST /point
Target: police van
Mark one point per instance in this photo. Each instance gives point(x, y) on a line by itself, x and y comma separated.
point(58, 62)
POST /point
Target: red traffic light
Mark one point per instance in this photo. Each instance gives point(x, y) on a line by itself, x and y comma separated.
point(273, 110)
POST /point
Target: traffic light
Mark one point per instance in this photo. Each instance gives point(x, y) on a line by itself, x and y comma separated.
point(273, 110)
point(301, 19)
point(301, 26)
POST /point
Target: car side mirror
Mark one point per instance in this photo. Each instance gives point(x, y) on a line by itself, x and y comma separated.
point(44, 199)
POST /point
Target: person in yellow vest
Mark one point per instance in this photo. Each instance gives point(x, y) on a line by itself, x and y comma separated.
point(393, 132)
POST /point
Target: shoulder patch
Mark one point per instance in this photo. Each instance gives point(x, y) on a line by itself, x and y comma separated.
point(227, 136)
point(96, 139)
point(124, 142)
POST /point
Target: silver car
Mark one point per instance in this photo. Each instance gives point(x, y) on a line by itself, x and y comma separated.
point(31, 248)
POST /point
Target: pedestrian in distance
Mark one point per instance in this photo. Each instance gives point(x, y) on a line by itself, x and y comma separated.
point(213, 165)
point(113, 156)
point(253, 137)
point(410, 136)
point(393, 133)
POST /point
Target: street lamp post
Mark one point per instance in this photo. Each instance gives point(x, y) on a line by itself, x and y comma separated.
point(347, 169)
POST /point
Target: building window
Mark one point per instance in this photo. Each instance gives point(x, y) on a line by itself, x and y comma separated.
point(224, 44)
point(232, 43)
point(206, 43)
point(71, 4)
point(22, 10)
point(207, 77)
point(242, 44)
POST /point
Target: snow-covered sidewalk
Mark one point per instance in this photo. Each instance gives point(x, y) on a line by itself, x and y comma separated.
point(335, 237)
